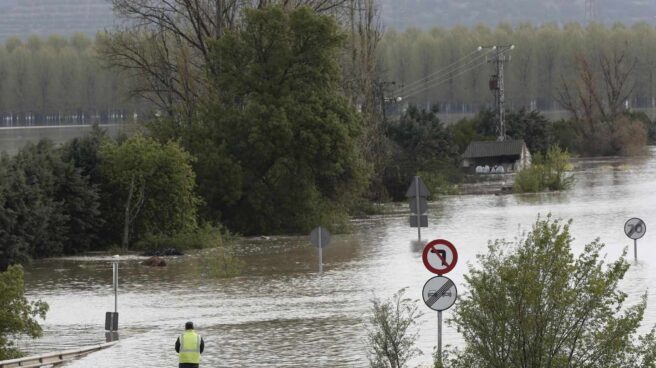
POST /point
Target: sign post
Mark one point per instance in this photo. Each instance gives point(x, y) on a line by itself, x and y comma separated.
point(111, 318)
point(417, 193)
point(635, 229)
point(439, 293)
point(320, 238)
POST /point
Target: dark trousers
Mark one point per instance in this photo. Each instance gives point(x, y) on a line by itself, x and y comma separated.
point(187, 365)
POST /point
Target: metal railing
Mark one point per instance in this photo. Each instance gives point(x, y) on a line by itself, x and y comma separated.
point(54, 359)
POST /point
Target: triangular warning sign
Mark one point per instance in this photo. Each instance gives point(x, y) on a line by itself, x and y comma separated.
point(417, 185)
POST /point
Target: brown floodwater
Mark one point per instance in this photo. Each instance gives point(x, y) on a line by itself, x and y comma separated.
point(281, 313)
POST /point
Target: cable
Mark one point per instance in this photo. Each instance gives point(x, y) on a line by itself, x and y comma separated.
point(444, 80)
point(453, 71)
point(441, 70)
point(435, 75)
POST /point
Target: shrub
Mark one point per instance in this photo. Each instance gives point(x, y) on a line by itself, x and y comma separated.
point(547, 172)
point(392, 334)
point(542, 306)
point(17, 314)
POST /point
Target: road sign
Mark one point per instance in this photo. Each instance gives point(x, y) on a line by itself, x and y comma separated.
point(440, 256)
point(422, 203)
point(424, 220)
point(417, 186)
point(320, 241)
point(635, 228)
point(439, 293)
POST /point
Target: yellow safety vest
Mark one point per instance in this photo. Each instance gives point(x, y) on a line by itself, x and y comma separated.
point(190, 347)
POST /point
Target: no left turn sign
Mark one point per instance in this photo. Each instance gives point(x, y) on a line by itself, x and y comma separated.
point(440, 256)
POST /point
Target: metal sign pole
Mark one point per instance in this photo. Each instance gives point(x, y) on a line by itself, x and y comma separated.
point(320, 253)
point(115, 269)
point(418, 208)
point(635, 248)
point(439, 337)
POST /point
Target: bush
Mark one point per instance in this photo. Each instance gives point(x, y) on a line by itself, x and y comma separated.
point(547, 172)
point(392, 335)
point(542, 306)
point(221, 263)
point(204, 237)
point(17, 314)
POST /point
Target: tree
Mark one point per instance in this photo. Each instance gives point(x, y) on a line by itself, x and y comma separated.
point(423, 143)
point(48, 207)
point(17, 314)
point(166, 45)
point(148, 187)
point(534, 304)
point(391, 333)
point(277, 141)
point(532, 127)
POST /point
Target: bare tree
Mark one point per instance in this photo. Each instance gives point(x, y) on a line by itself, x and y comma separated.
point(601, 90)
point(165, 44)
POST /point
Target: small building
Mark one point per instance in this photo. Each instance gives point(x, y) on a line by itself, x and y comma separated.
point(496, 156)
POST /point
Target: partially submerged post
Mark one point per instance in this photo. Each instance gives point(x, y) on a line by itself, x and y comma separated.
point(111, 318)
point(417, 193)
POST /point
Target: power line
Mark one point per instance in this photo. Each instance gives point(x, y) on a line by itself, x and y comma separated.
point(446, 79)
point(448, 75)
point(426, 78)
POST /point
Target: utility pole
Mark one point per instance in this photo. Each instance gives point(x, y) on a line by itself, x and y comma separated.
point(497, 85)
point(591, 10)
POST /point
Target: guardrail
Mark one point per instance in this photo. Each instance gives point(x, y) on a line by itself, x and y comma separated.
point(53, 359)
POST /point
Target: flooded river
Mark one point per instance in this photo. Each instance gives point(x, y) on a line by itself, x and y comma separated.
point(281, 313)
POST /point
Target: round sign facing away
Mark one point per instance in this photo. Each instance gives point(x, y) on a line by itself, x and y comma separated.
point(440, 256)
point(635, 228)
point(439, 293)
point(320, 237)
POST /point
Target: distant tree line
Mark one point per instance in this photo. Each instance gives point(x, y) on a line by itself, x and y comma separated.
point(60, 80)
point(544, 58)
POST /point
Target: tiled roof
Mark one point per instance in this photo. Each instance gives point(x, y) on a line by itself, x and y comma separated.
point(494, 148)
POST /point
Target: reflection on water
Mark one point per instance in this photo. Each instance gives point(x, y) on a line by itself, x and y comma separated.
point(281, 313)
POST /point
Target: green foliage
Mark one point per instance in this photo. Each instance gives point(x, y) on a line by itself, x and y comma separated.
point(48, 207)
point(277, 147)
point(203, 237)
point(221, 263)
point(163, 185)
point(547, 172)
point(532, 127)
point(83, 152)
point(535, 304)
point(392, 334)
point(17, 314)
point(423, 144)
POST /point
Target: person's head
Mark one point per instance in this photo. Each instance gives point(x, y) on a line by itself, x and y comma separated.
point(189, 326)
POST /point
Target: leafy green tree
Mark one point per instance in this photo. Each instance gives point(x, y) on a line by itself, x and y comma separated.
point(147, 187)
point(277, 145)
point(535, 304)
point(423, 144)
point(49, 208)
point(392, 332)
point(532, 127)
point(18, 316)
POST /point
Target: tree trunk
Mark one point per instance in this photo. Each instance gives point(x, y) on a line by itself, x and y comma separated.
point(126, 224)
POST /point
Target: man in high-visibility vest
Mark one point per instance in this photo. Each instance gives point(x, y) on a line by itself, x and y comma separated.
point(190, 346)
